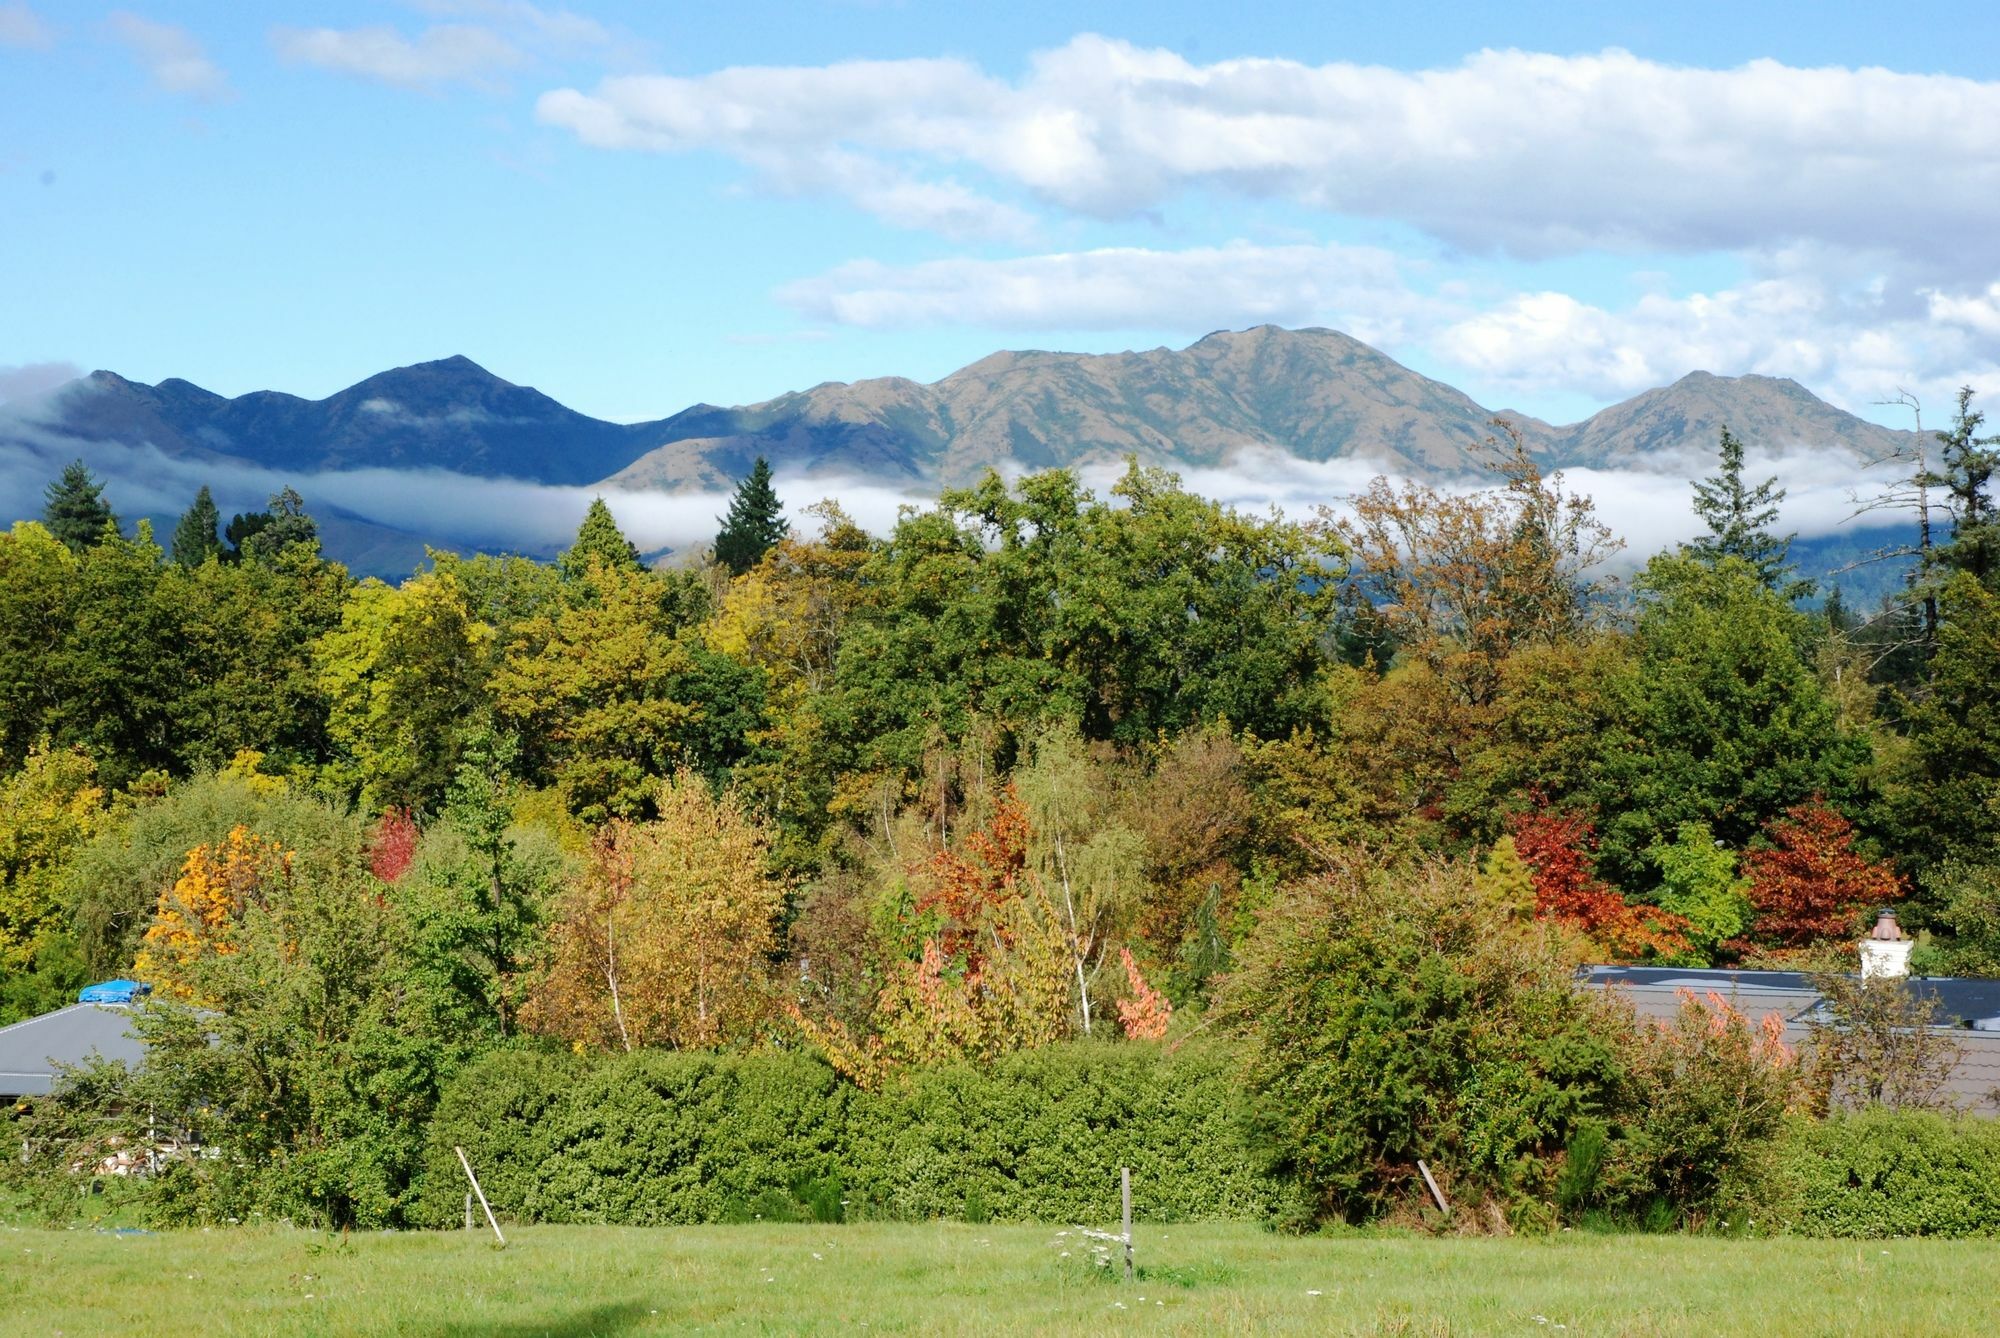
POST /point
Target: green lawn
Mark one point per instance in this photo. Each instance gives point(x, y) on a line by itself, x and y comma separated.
point(974, 1279)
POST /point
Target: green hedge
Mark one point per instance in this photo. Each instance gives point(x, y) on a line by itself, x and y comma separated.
point(658, 1138)
point(1879, 1173)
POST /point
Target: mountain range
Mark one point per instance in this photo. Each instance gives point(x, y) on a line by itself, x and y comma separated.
point(1314, 394)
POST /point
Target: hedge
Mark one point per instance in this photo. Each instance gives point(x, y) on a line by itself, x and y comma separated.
point(1878, 1173)
point(656, 1138)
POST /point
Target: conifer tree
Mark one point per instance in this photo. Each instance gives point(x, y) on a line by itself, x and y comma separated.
point(195, 539)
point(76, 511)
point(755, 523)
point(598, 537)
point(1739, 523)
point(1969, 462)
point(286, 524)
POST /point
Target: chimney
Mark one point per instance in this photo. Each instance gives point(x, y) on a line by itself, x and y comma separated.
point(1885, 952)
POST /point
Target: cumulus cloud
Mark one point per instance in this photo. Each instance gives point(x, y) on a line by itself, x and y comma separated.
point(1851, 344)
point(1359, 288)
point(172, 57)
point(21, 26)
point(446, 53)
point(1532, 153)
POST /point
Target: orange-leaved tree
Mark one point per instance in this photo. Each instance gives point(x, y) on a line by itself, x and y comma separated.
point(1146, 1014)
point(197, 916)
point(1558, 848)
point(1811, 883)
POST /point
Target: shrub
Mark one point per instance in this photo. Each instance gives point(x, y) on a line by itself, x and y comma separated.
point(497, 1109)
point(1879, 1173)
point(660, 1137)
point(1394, 1017)
point(653, 1138)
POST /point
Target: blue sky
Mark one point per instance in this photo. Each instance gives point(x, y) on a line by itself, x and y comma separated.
point(637, 206)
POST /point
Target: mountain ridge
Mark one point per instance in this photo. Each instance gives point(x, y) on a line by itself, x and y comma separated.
point(1315, 393)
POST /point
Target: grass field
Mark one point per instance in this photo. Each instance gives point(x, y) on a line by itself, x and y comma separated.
point(973, 1279)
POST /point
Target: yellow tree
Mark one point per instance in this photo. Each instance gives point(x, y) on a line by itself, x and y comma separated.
point(197, 917)
point(48, 809)
point(665, 939)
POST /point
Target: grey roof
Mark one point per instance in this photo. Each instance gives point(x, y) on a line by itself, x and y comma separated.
point(1655, 994)
point(30, 1050)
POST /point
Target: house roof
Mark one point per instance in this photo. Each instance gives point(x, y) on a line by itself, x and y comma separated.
point(30, 1050)
point(1973, 1084)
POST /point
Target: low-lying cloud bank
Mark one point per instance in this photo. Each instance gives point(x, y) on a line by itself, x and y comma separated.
point(1649, 508)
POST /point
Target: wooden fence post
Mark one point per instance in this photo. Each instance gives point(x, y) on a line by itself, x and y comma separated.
point(1125, 1195)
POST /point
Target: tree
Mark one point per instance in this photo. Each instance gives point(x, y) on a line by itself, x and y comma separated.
point(1810, 884)
point(197, 917)
point(286, 525)
point(1739, 523)
point(663, 939)
point(1967, 462)
point(600, 541)
point(38, 592)
point(404, 676)
point(75, 510)
point(49, 809)
point(1728, 723)
point(1949, 801)
point(755, 523)
point(1699, 883)
point(1558, 848)
point(195, 540)
point(1462, 581)
point(1876, 1043)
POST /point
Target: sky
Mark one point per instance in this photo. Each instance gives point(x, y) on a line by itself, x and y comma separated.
point(639, 206)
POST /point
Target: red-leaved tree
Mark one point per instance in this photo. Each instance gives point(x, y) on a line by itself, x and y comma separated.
point(392, 846)
point(1558, 848)
point(966, 886)
point(1146, 1014)
point(1811, 883)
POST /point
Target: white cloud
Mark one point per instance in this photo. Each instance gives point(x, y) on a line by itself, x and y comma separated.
point(1359, 288)
point(1851, 344)
point(1536, 154)
point(24, 381)
point(173, 57)
point(443, 54)
point(21, 26)
point(556, 27)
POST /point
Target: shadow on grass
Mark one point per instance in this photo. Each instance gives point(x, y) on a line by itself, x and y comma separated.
point(602, 1321)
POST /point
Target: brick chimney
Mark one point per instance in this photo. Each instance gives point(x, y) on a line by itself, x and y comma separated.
point(1885, 951)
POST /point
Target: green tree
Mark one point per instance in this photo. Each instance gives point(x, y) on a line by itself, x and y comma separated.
point(1699, 883)
point(48, 810)
point(120, 671)
point(496, 925)
point(286, 525)
point(404, 675)
point(1967, 462)
point(75, 510)
point(755, 523)
point(1949, 801)
point(1739, 521)
point(195, 540)
point(38, 591)
point(1729, 724)
point(598, 540)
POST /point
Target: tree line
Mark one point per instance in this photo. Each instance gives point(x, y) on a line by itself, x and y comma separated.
point(1036, 765)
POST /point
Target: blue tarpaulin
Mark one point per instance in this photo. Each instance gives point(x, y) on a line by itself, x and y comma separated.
point(113, 992)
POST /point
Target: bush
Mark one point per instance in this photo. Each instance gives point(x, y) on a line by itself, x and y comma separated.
point(1039, 1137)
point(1879, 1173)
point(657, 1137)
point(496, 1109)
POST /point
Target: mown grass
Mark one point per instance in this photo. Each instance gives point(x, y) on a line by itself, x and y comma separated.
point(953, 1278)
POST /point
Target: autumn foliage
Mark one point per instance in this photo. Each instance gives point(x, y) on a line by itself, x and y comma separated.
point(965, 887)
point(197, 916)
point(1811, 883)
point(1146, 1014)
point(1558, 849)
point(392, 846)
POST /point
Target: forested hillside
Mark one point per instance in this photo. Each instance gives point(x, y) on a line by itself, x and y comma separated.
point(1035, 766)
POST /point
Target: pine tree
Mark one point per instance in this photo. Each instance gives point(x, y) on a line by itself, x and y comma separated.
point(76, 511)
point(1739, 523)
point(598, 537)
point(194, 538)
point(755, 523)
point(1969, 462)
